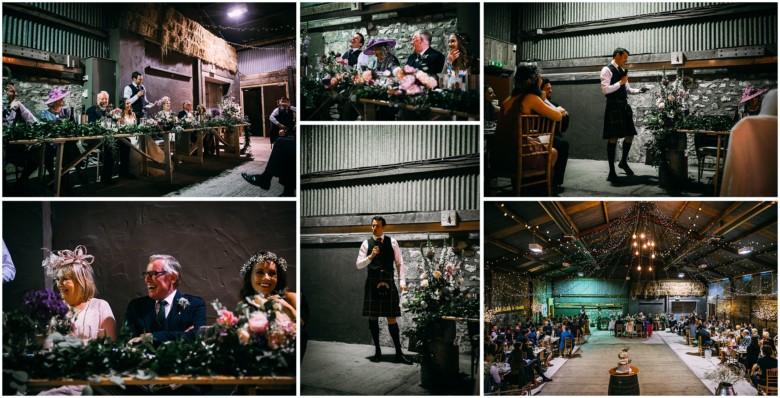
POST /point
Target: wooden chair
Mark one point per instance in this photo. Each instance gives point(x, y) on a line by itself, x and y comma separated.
point(533, 126)
point(640, 330)
point(618, 330)
point(701, 346)
point(568, 346)
point(687, 336)
point(770, 384)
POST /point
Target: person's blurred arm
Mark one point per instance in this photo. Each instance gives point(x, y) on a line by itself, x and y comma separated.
point(9, 271)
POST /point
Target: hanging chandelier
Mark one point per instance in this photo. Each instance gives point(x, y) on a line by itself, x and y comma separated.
point(642, 245)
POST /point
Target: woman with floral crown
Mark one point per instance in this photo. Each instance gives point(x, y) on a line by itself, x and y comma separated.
point(72, 273)
point(265, 274)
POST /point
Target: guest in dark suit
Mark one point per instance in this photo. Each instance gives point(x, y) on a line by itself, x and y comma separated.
point(354, 51)
point(165, 314)
point(424, 57)
point(94, 113)
point(282, 119)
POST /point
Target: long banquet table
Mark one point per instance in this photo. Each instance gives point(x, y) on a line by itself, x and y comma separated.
point(248, 382)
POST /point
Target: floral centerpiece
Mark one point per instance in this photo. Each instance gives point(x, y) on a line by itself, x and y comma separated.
point(671, 107)
point(258, 339)
point(440, 292)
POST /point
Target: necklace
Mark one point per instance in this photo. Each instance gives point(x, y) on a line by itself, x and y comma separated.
point(75, 317)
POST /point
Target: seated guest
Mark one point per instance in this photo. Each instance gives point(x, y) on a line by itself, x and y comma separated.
point(424, 57)
point(72, 271)
point(517, 373)
point(704, 335)
point(745, 342)
point(24, 156)
point(495, 377)
point(766, 362)
point(458, 59)
point(525, 100)
point(57, 112)
point(547, 328)
point(548, 350)
point(490, 109)
point(96, 113)
point(564, 335)
point(751, 98)
point(281, 164)
point(282, 119)
point(353, 53)
point(383, 60)
point(266, 274)
point(165, 313)
point(725, 350)
point(90, 317)
point(559, 143)
point(186, 111)
point(532, 361)
point(751, 356)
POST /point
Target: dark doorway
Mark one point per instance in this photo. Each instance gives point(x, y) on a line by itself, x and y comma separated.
point(259, 103)
point(252, 109)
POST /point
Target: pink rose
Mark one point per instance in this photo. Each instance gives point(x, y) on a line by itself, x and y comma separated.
point(407, 81)
point(398, 72)
point(226, 318)
point(243, 335)
point(367, 75)
point(414, 89)
point(410, 70)
point(276, 338)
point(258, 322)
point(432, 83)
point(421, 76)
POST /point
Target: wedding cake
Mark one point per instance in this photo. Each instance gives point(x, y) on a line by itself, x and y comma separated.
point(623, 362)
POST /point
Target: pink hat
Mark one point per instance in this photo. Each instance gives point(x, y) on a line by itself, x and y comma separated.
point(56, 94)
point(750, 93)
point(390, 43)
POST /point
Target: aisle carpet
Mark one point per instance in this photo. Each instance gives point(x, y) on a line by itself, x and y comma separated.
point(661, 372)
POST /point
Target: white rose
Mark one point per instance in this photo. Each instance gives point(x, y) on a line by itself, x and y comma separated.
point(424, 275)
point(424, 283)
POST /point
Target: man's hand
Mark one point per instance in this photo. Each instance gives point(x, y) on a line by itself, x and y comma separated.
point(643, 89)
point(136, 340)
point(624, 80)
point(562, 111)
point(140, 94)
point(375, 251)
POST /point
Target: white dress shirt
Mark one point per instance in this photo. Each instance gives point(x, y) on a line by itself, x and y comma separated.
point(364, 259)
point(606, 77)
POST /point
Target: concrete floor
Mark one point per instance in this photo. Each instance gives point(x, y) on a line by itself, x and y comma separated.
point(333, 368)
point(588, 178)
point(666, 367)
point(219, 176)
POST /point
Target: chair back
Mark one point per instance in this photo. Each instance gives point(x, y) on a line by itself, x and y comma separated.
point(542, 128)
point(752, 146)
point(771, 381)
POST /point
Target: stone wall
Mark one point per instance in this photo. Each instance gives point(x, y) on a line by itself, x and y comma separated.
point(34, 91)
point(710, 95)
point(400, 29)
point(742, 311)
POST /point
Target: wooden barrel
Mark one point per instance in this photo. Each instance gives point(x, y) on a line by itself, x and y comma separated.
point(620, 384)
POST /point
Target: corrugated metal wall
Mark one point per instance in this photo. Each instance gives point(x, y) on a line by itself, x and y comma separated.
point(21, 32)
point(89, 14)
point(546, 15)
point(429, 194)
point(749, 31)
point(267, 59)
point(330, 148)
point(349, 147)
point(498, 21)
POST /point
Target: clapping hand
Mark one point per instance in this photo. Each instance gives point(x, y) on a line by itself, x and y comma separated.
point(453, 55)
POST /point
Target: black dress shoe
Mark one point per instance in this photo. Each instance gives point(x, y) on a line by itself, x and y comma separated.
point(400, 358)
point(376, 358)
point(625, 168)
point(258, 179)
point(546, 379)
point(558, 189)
point(613, 177)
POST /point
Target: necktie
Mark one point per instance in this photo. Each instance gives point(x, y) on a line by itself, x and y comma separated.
point(161, 312)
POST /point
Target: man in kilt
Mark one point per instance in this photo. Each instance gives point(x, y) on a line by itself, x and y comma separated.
point(381, 296)
point(618, 116)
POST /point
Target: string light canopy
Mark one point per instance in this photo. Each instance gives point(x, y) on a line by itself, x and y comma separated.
point(700, 240)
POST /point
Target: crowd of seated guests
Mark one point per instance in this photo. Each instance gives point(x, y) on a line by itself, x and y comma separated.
point(527, 348)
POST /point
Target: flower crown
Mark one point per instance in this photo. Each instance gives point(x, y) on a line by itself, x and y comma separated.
point(62, 258)
point(261, 257)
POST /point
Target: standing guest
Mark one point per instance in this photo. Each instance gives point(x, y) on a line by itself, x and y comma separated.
point(352, 54)
point(559, 143)
point(424, 57)
point(136, 93)
point(9, 271)
point(618, 115)
point(751, 356)
point(165, 313)
point(380, 297)
point(524, 100)
point(282, 119)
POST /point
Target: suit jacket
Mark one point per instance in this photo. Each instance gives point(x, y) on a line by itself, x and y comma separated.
point(140, 318)
point(432, 61)
point(94, 114)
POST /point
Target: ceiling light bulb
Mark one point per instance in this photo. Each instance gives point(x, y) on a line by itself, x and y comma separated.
point(634, 236)
point(635, 244)
point(237, 11)
point(637, 252)
point(653, 255)
point(535, 247)
point(680, 275)
point(745, 250)
point(638, 267)
point(650, 268)
point(642, 236)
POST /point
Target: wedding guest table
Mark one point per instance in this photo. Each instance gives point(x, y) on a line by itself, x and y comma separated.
point(249, 384)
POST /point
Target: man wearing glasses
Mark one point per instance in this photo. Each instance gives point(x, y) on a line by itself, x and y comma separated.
point(165, 314)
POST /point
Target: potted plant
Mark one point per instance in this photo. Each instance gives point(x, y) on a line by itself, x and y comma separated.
point(726, 376)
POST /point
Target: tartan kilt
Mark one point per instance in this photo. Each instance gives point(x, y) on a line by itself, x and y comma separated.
point(618, 120)
point(380, 302)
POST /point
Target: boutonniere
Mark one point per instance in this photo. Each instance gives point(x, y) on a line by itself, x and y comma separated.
point(183, 303)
